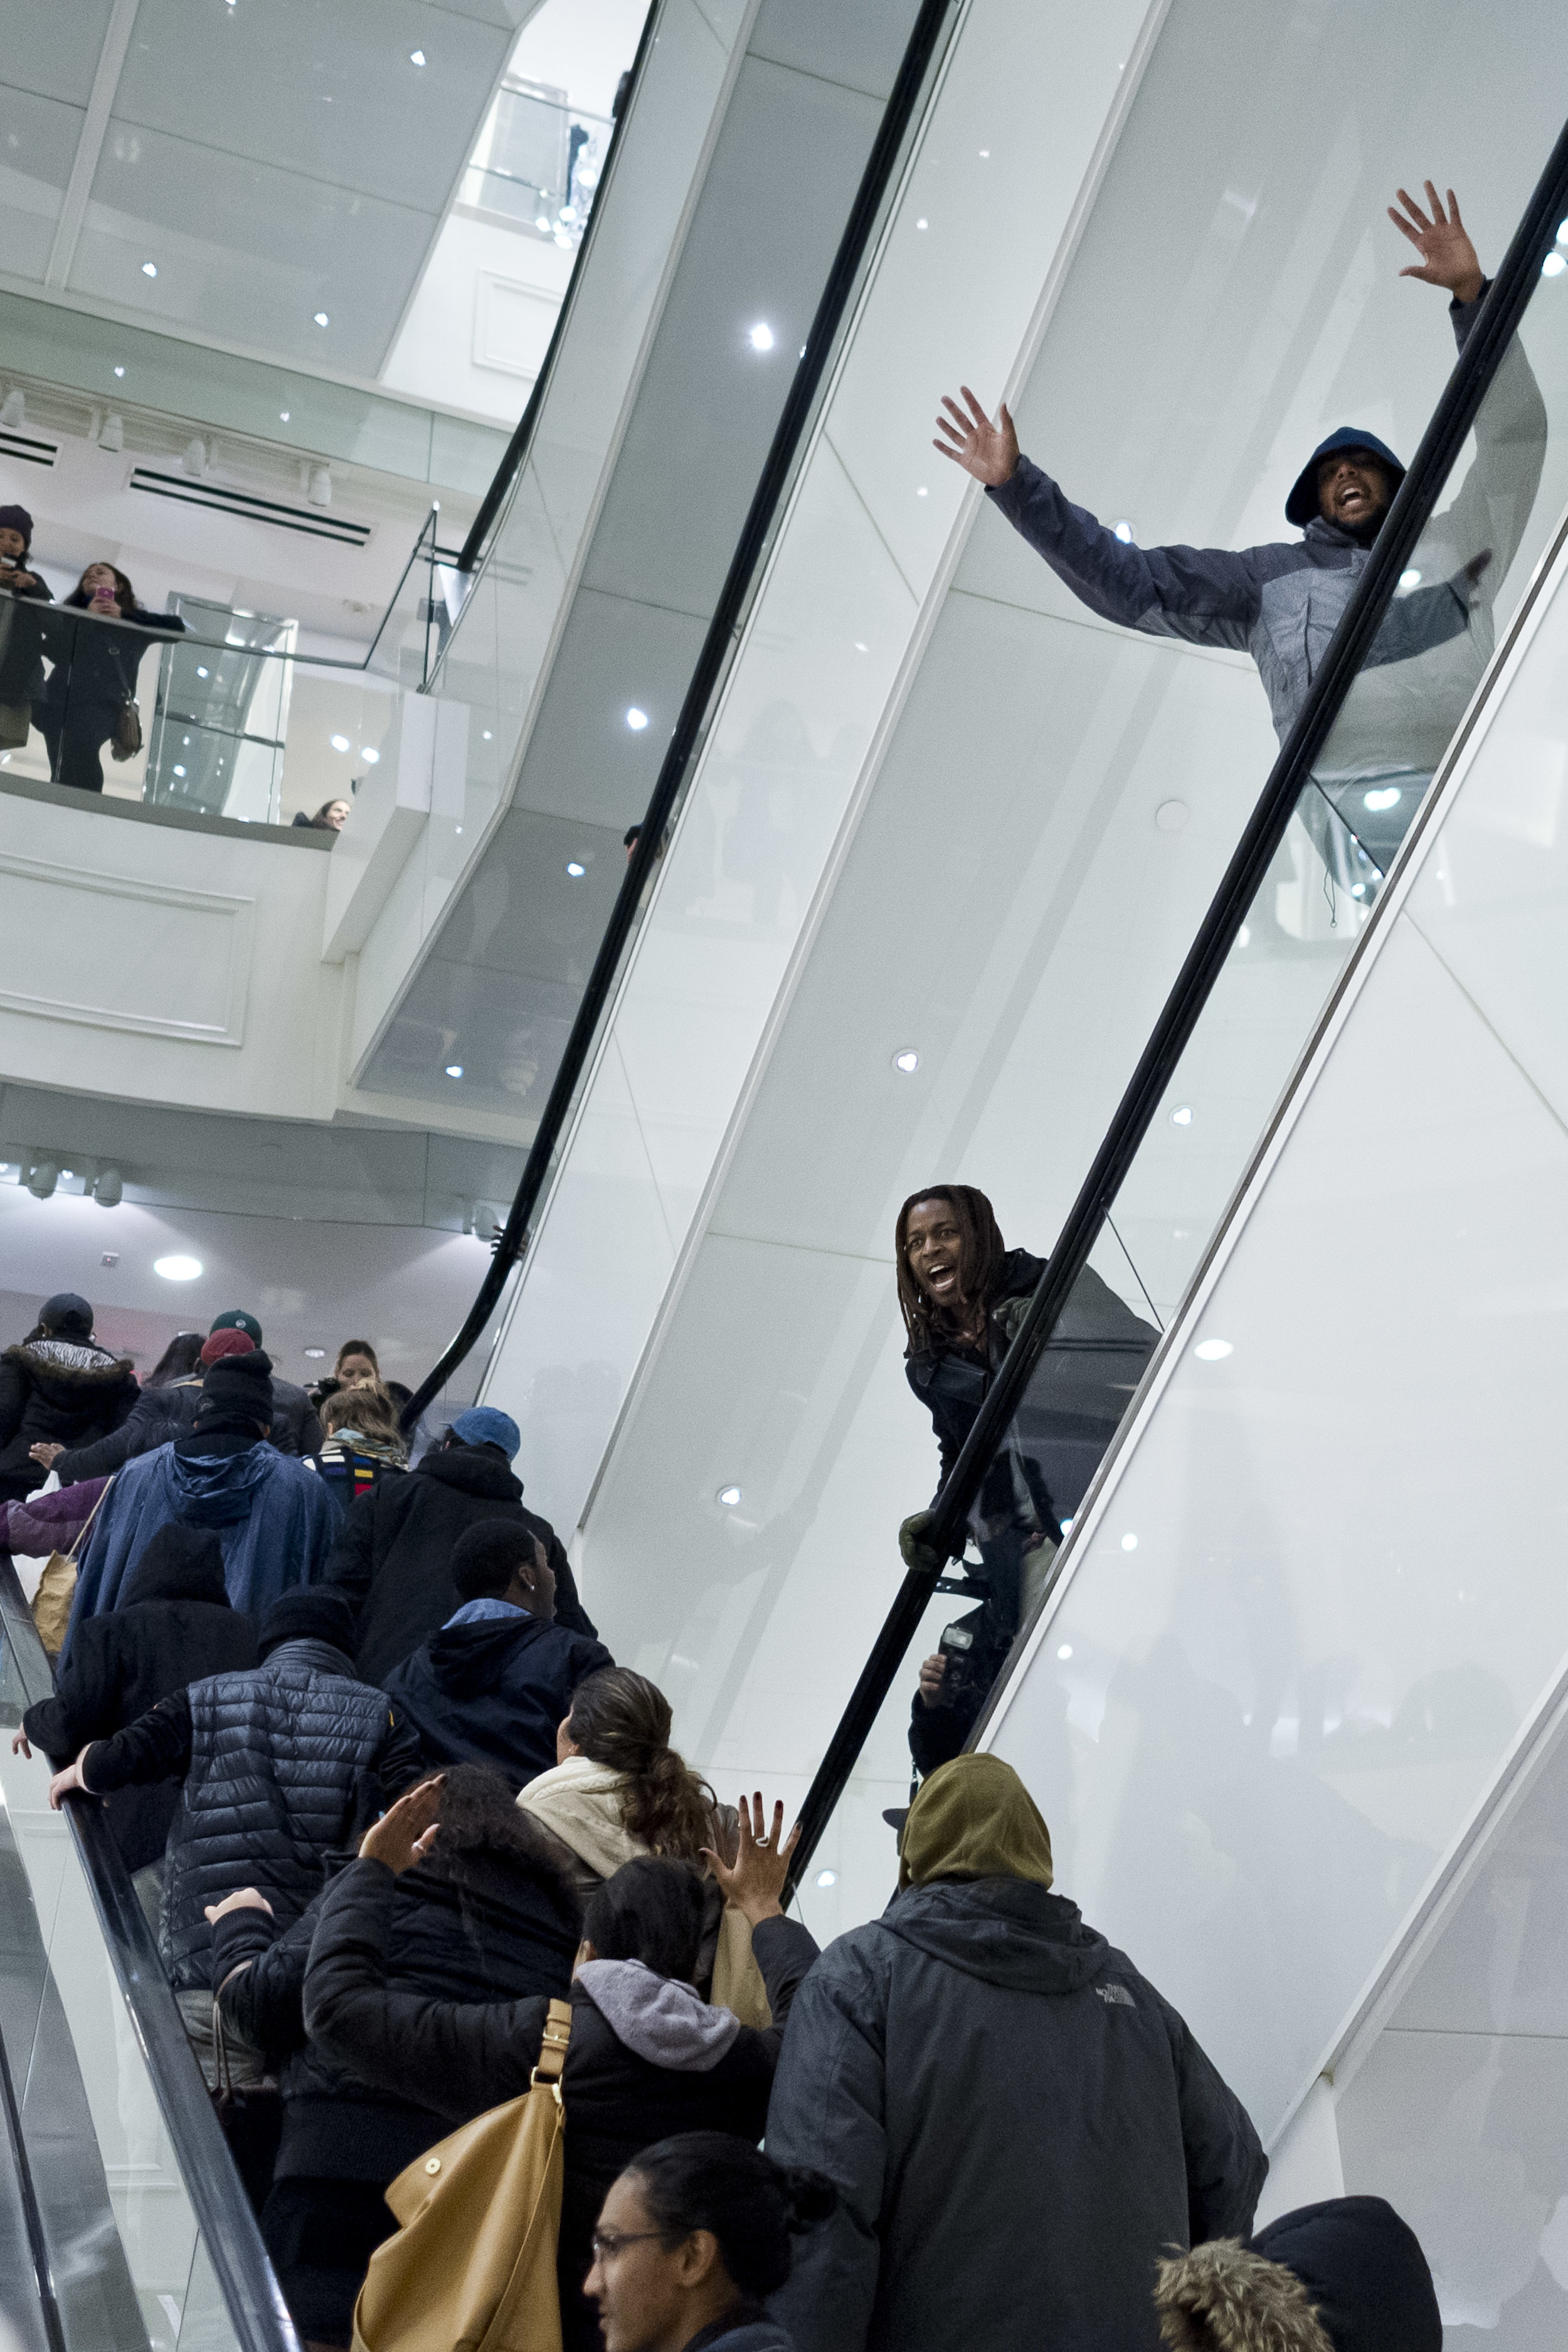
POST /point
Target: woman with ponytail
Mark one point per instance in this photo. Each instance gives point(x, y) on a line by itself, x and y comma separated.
point(619, 1791)
point(694, 2234)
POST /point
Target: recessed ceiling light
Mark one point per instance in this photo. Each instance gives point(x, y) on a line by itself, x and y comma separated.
point(149, 269)
point(1387, 796)
point(313, 1353)
point(179, 772)
point(827, 1878)
point(985, 154)
point(1182, 1115)
point(369, 755)
point(729, 1496)
point(861, 648)
point(920, 493)
point(1124, 531)
point(1065, 1651)
point(339, 742)
point(199, 671)
point(920, 224)
point(1129, 1543)
point(283, 416)
point(1553, 266)
point(486, 734)
point(416, 56)
point(636, 719)
point(1212, 1351)
point(1244, 936)
point(908, 1061)
point(323, 320)
point(119, 371)
point(1411, 578)
point(575, 870)
point(762, 336)
point(177, 1269)
point(454, 1069)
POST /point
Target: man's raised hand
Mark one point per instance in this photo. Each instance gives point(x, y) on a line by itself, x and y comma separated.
point(989, 452)
point(1447, 256)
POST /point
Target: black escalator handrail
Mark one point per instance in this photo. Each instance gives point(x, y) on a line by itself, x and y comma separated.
point(1451, 420)
point(517, 447)
point(717, 648)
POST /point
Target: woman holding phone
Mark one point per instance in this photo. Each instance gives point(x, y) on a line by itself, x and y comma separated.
point(94, 673)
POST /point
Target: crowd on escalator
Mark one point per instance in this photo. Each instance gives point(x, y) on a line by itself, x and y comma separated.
point(497, 2000)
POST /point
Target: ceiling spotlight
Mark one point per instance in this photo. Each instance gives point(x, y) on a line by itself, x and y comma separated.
point(42, 1178)
point(369, 755)
point(149, 269)
point(575, 870)
point(15, 411)
point(315, 1354)
point(1182, 1115)
point(762, 336)
point(1213, 1351)
point(1129, 1543)
point(454, 1069)
point(177, 1268)
point(108, 1188)
point(323, 320)
point(416, 56)
point(636, 719)
point(729, 1496)
point(827, 1878)
point(1065, 1651)
point(908, 1061)
point(339, 742)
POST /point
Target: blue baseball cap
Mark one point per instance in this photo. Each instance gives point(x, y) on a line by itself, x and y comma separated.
point(482, 1424)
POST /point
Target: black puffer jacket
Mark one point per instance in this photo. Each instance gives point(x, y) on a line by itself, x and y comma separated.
point(461, 2059)
point(281, 1764)
point(1017, 2125)
point(392, 1558)
point(173, 1626)
point(58, 1392)
point(160, 1414)
point(467, 1928)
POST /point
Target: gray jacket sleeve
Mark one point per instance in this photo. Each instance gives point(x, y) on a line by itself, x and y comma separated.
point(1207, 595)
point(1492, 508)
point(827, 2113)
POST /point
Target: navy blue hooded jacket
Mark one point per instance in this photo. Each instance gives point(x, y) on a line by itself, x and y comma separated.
point(493, 1691)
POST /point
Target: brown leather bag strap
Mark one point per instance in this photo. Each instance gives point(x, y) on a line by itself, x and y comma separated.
point(552, 2048)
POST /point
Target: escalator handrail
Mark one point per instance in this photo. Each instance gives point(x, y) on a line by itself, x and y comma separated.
point(222, 2212)
point(1502, 311)
point(516, 450)
point(718, 645)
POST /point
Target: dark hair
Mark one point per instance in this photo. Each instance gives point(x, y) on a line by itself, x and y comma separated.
point(650, 1910)
point(486, 1556)
point(621, 1720)
point(716, 2181)
point(179, 1359)
point(339, 799)
point(484, 1838)
point(365, 1407)
point(355, 1347)
point(981, 1250)
point(124, 593)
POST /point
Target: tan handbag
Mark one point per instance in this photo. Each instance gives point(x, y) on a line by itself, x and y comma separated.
point(58, 1586)
point(471, 2268)
point(126, 740)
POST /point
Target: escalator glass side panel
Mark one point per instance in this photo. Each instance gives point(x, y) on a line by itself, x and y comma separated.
point(123, 2242)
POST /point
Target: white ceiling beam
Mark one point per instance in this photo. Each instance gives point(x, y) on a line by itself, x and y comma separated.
point(89, 146)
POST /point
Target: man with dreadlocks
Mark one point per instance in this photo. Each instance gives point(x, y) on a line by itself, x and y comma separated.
point(963, 1294)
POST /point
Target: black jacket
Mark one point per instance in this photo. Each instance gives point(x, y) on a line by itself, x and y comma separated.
point(173, 1626)
point(1018, 2123)
point(493, 1692)
point(281, 1764)
point(508, 1932)
point(462, 2059)
point(62, 1392)
point(161, 1414)
point(392, 1554)
point(95, 660)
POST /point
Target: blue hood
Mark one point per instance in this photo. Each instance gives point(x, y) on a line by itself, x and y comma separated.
point(1301, 505)
point(218, 1490)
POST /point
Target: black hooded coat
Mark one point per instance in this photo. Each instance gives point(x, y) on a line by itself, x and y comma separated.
point(392, 1558)
point(173, 1627)
point(493, 1691)
point(57, 1390)
point(1018, 2127)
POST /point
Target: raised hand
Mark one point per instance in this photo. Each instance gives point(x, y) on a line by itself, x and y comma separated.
point(405, 1834)
point(989, 452)
point(1447, 256)
point(755, 1881)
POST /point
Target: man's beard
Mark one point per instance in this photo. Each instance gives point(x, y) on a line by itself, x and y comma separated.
point(1364, 533)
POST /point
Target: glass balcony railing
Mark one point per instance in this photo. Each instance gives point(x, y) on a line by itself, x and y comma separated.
point(211, 711)
point(537, 162)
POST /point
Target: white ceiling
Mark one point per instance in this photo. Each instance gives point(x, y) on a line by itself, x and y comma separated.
point(1008, 904)
point(271, 161)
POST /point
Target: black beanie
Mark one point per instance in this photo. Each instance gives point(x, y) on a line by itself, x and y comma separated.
point(240, 1387)
point(311, 1613)
point(17, 519)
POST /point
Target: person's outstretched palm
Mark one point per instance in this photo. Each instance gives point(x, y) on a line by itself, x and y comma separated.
point(1447, 256)
point(989, 452)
